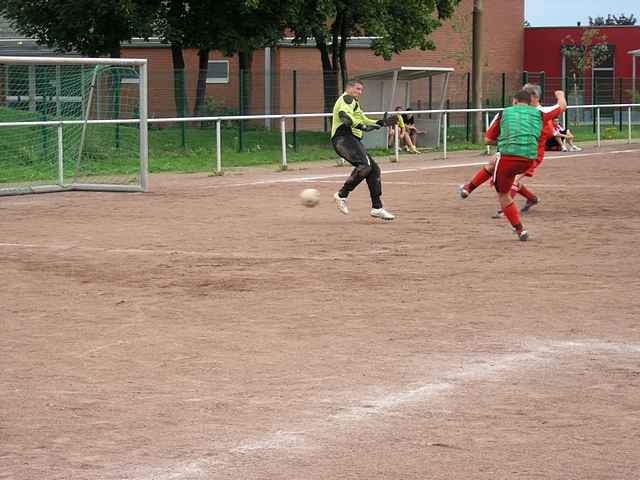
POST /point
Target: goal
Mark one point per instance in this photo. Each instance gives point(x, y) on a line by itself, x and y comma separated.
point(73, 124)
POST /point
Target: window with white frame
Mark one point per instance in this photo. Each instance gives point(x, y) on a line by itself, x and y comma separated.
point(218, 71)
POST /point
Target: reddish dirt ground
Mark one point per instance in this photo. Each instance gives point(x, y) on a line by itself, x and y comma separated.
point(216, 329)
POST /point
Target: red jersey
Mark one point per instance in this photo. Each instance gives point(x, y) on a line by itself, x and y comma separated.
point(548, 130)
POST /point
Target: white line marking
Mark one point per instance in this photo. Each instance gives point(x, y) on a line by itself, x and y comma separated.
point(311, 178)
point(299, 436)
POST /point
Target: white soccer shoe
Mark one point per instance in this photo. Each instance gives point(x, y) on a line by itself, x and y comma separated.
point(381, 213)
point(341, 203)
point(575, 148)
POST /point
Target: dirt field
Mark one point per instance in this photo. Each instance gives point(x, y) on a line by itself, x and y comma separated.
point(216, 329)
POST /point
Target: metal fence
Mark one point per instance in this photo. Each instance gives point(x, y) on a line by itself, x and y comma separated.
point(213, 127)
point(446, 113)
point(252, 93)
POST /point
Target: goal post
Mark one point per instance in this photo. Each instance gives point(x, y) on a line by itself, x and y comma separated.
point(73, 124)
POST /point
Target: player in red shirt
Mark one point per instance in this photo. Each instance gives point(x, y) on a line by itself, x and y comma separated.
point(548, 131)
point(486, 172)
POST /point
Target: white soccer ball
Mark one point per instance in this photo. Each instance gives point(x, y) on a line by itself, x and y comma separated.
point(310, 197)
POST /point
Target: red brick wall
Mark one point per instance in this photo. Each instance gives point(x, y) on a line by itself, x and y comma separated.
point(160, 67)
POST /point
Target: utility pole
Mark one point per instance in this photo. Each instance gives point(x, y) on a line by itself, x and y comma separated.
point(476, 70)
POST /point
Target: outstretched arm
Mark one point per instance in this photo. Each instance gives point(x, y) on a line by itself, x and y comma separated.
point(557, 109)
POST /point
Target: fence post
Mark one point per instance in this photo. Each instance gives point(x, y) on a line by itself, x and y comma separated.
point(565, 114)
point(629, 118)
point(486, 128)
point(444, 135)
point(620, 102)
point(241, 103)
point(594, 99)
point(396, 142)
point(45, 136)
point(467, 120)
point(116, 102)
point(60, 156)
point(504, 89)
point(283, 135)
point(542, 85)
point(430, 94)
point(295, 110)
point(179, 78)
point(218, 148)
point(598, 124)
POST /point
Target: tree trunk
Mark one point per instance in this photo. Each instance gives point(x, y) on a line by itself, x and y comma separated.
point(329, 76)
point(179, 83)
point(335, 41)
point(344, 38)
point(201, 88)
point(476, 75)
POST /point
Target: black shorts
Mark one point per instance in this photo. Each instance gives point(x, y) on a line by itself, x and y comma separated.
point(351, 149)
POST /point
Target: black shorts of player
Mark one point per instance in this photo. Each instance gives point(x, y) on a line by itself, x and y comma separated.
point(353, 151)
point(349, 147)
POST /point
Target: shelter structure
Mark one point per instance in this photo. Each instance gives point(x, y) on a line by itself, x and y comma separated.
point(418, 88)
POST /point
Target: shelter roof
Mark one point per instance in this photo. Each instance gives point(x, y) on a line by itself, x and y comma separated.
point(405, 73)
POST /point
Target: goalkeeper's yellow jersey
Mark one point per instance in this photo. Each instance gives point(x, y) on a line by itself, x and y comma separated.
point(349, 105)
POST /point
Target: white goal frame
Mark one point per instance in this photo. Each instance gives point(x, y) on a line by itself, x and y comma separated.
point(142, 185)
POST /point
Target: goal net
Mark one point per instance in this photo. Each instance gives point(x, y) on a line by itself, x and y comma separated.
point(72, 124)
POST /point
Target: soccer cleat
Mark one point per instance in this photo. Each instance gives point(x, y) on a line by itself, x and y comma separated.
point(463, 192)
point(341, 203)
point(381, 213)
point(523, 235)
point(530, 203)
point(498, 214)
point(575, 148)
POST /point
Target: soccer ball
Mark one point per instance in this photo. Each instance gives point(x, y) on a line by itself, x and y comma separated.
point(310, 197)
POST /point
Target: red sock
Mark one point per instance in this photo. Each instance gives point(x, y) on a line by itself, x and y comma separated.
point(526, 193)
point(478, 179)
point(513, 215)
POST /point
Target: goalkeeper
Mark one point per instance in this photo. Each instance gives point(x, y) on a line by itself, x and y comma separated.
point(348, 126)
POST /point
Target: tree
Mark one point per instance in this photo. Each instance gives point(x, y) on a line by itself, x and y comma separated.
point(621, 19)
point(395, 27)
point(230, 26)
point(235, 28)
point(66, 25)
point(582, 54)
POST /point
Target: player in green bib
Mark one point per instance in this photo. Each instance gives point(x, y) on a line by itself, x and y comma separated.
point(349, 123)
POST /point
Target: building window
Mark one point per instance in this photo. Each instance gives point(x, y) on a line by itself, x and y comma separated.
point(218, 71)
